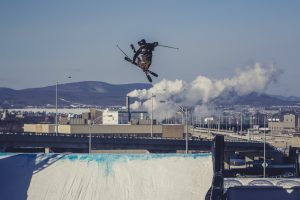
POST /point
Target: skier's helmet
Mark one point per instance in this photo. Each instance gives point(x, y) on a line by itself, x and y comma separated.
point(142, 42)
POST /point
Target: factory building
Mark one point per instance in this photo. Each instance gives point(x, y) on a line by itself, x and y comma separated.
point(121, 130)
point(108, 117)
point(113, 117)
point(118, 122)
point(289, 124)
point(3, 115)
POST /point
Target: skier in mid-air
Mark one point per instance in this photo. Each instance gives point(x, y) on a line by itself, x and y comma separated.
point(143, 56)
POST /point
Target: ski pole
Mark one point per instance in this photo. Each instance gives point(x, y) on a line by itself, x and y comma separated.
point(122, 51)
point(168, 46)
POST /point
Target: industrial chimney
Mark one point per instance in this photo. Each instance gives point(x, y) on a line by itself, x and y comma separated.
point(128, 108)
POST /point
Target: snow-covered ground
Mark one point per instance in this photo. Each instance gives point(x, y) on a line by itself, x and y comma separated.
point(52, 110)
point(105, 176)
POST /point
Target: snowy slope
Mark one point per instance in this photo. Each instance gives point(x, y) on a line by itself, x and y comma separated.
point(105, 176)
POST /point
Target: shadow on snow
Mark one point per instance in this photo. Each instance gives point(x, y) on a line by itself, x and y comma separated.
point(16, 172)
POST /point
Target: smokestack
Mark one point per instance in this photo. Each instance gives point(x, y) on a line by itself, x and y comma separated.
point(128, 107)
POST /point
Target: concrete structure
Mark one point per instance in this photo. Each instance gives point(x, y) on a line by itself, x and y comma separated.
point(170, 131)
point(80, 143)
point(96, 116)
point(3, 115)
point(39, 128)
point(261, 188)
point(290, 124)
point(295, 141)
point(107, 116)
point(113, 117)
point(65, 121)
point(93, 115)
point(86, 115)
point(77, 121)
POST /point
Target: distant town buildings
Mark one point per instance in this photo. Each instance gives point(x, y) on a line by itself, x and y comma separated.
point(240, 119)
point(110, 122)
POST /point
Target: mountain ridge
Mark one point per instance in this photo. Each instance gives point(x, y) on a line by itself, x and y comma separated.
point(97, 93)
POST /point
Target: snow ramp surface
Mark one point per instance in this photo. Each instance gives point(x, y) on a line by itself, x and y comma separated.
point(105, 176)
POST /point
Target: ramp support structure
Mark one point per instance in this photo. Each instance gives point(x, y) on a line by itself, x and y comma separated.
point(218, 168)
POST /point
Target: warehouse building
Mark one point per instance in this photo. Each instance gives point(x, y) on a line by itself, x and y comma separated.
point(289, 124)
point(121, 130)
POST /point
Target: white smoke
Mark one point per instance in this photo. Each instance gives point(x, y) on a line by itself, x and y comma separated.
point(169, 95)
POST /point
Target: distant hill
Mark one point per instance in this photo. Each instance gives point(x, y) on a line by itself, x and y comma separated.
point(70, 94)
point(97, 93)
point(254, 99)
point(290, 98)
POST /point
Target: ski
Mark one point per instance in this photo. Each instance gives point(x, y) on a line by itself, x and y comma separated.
point(128, 59)
point(149, 77)
point(151, 72)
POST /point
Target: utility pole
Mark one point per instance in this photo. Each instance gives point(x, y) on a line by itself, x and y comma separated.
point(264, 147)
point(208, 126)
point(91, 123)
point(90, 137)
point(241, 123)
point(56, 109)
point(152, 114)
point(56, 120)
point(219, 123)
point(272, 123)
point(187, 131)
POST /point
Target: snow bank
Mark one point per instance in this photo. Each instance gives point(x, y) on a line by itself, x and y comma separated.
point(105, 176)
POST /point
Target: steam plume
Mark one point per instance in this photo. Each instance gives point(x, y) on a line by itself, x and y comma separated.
point(171, 94)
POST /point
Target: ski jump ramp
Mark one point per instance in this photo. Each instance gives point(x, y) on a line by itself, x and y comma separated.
point(105, 176)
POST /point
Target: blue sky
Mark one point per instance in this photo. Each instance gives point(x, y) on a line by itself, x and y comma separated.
point(45, 41)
